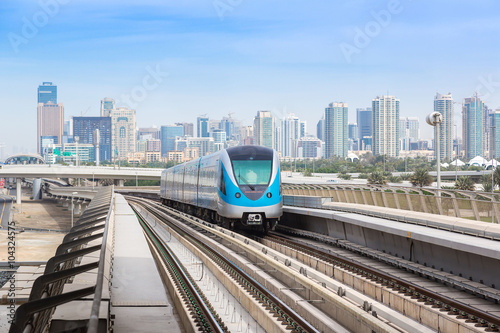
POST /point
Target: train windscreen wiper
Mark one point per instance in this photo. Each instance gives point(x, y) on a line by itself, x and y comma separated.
point(245, 181)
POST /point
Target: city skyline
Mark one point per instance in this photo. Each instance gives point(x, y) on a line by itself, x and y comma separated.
point(190, 59)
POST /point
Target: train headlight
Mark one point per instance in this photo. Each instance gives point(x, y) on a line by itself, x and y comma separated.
point(269, 194)
point(237, 195)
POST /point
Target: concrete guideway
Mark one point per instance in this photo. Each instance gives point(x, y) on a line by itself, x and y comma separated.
point(446, 253)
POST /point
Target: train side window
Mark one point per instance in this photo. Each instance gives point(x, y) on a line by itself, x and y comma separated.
point(222, 184)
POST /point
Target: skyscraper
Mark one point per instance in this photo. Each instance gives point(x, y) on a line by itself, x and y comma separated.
point(495, 134)
point(473, 123)
point(202, 127)
point(50, 125)
point(188, 128)
point(123, 131)
point(353, 136)
point(444, 105)
point(364, 119)
point(290, 133)
point(336, 130)
point(47, 92)
point(320, 129)
point(107, 106)
point(264, 127)
point(409, 131)
point(385, 126)
point(167, 136)
point(84, 128)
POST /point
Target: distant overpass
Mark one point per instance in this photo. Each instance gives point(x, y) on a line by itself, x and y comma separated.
point(97, 172)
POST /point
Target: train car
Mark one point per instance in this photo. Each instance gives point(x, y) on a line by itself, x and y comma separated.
point(238, 185)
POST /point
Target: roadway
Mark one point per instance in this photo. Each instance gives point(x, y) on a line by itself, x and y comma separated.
point(96, 172)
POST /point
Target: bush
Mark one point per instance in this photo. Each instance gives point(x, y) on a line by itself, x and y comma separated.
point(394, 179)
point(344, 176)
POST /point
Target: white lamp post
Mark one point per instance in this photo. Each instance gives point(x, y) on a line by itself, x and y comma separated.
point(434, 119)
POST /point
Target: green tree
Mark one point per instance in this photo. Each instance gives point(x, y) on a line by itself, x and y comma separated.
point(486, 182)
point(465, 183)
point(421, 178)
point(377, 177)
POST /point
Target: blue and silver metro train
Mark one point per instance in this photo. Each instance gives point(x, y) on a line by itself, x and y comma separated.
point(239, 184)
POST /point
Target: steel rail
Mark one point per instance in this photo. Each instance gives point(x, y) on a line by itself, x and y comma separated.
point(410, 289)
point(194, 298)
point(293, 320)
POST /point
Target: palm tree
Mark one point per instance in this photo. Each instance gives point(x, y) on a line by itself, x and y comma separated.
point(465, 183)
point(377, 177)
point(421, 178)
point(496, 176)
point(486, 182)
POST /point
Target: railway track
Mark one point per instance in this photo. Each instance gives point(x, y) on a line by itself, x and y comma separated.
point(481, 319)
point(201, 311)
point(285, 315)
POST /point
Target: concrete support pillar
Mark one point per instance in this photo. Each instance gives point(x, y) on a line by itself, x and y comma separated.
point(18, 191)
point(66, 204)
point(77, 209)
point(84, 206)
point(119, 182)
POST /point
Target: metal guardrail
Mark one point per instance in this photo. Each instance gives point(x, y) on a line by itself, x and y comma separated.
point(479, 206)
point(47, 291)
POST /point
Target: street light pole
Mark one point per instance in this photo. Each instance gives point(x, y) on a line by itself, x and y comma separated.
point(435, 119)
point(456, 157)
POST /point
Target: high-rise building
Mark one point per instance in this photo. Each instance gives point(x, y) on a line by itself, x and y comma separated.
point(205, 145)
point(303, 129)
point(495, 134)
point(336, 130)
point(202, 127)
point(153, 145)
point(246, 135)
point(385, 126)
point(231, 126)
point(320, 128)
point(289, 133)
point(167, 137)
point(188, 128)
point(309, 147)
point(84, 127)
point(409, 131)
point(47, 93)
point(146, 133)
point(123, 132)
point(107, 106)
point(353, 136)
point(364, 119)
point(264, 129)
point(473, 128)
point(219, 136)
point(50, 123)
point(444, 105)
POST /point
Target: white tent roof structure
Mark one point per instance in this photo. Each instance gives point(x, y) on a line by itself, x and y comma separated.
point(352, 156)
point(493, 162)
point(478, 160)
point(445, 165)
point(457, 163)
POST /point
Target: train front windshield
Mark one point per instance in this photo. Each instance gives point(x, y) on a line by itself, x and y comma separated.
point(252, 165)
point(252, 172)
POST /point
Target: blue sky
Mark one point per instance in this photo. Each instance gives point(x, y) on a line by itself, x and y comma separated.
point(219, 56)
